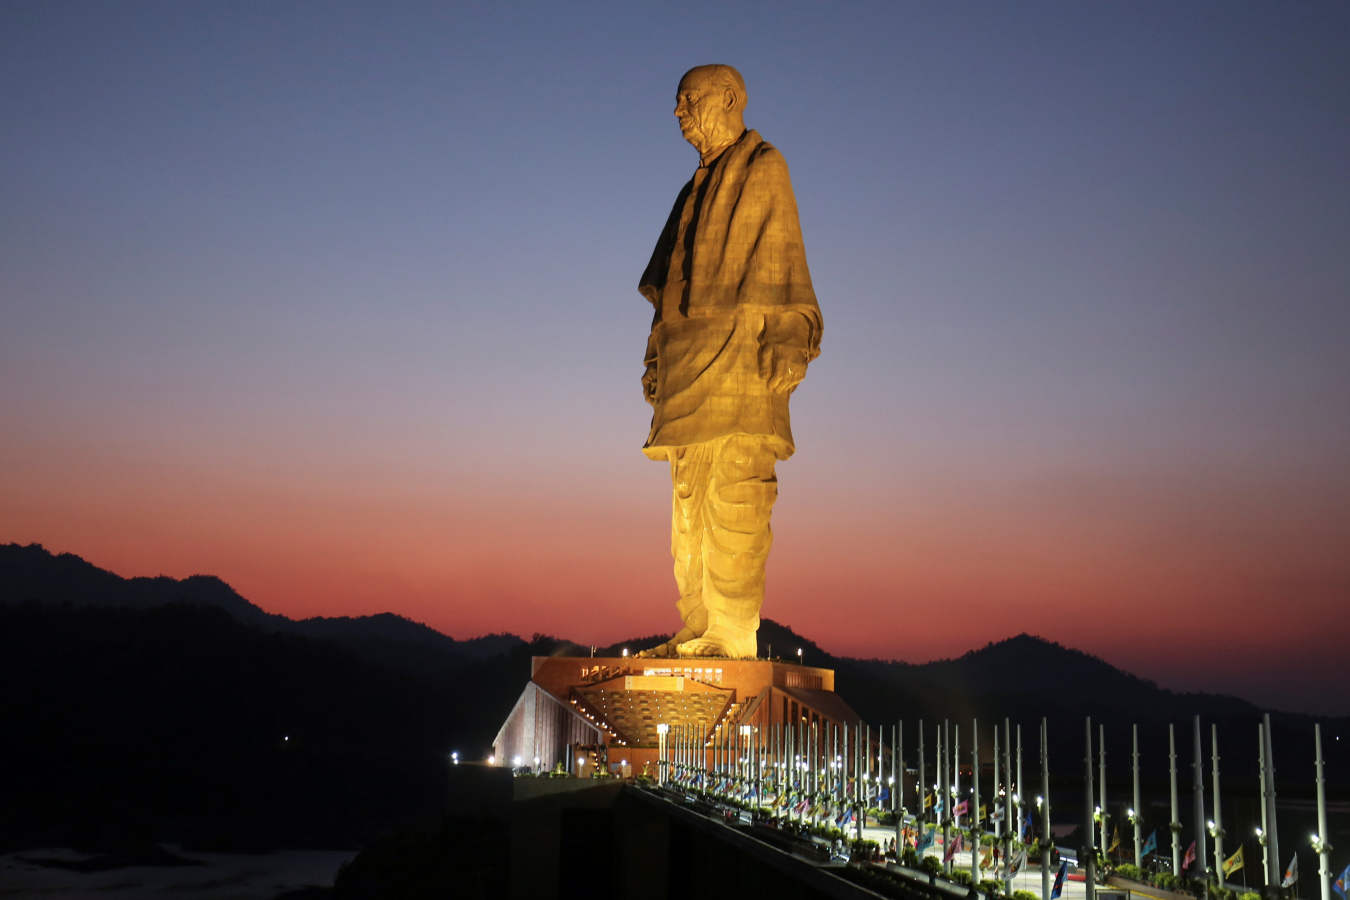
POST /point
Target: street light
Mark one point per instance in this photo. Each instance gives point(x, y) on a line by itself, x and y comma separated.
point(662, 729)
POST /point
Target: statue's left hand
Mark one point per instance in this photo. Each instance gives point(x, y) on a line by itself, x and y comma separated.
point(782, 366)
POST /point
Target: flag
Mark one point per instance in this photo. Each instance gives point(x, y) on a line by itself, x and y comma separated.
point(1150, 845)
point(953, 848)
point(1115, 840)
point(1026, 828)
point(1059, 880)
point(927, 801)
point(987, 858)
point(1189, 857)
point(1232, 863)
point(885, 796)
point(927, 840)
point(1019, 861)
point(984, 812)
point(1342, 884)
point(1291, 873)
point(961, 808)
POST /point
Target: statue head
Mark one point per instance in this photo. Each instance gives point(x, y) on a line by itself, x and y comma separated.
point(709, 105)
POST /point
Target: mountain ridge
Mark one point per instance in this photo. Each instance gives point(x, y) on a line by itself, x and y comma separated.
point(1018, 665)
point(179, 706)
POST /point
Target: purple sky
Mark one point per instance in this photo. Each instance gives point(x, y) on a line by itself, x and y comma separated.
point(338, 302)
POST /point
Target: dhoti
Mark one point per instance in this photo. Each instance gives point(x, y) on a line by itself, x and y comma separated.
point(724, 491)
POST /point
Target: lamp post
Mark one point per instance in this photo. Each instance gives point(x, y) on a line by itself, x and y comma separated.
point(1216, 830)
point(1198, 801)
point(975, 801)
point(1217, 834)
point(661, 731)
point(1320, 845)
point(745, 755)
point(1134, 810)
point(1089, 853)
point(1175, 825)
point(1270, 818)
point(1046, 841)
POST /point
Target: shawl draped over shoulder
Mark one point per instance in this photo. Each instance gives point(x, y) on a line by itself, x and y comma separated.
point(739, 273)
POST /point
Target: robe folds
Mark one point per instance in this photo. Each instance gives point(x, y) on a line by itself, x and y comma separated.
point(727, 279)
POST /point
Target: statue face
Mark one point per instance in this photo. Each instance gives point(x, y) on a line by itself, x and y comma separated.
point(701, 108)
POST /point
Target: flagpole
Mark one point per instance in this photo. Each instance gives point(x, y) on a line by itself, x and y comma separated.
point(943, 794)
point(1007, 806)
point(1137, 810)
point(1263, 833)
point(859, 752)
point(1045, 820)
point(1198, 800)
point(897, 783)
point(1101, 763)
point(1273, 818)
point(834, 763)
point(923, 782)
point(1218, 809)
point(867, 778)
point(1018, 796)
point(956, 771)
point(997, 815)
point(816, 736)
point(1089, 853)
point(1320, 842)
point(975, 800)
point(1175, 825)
point(881, 768)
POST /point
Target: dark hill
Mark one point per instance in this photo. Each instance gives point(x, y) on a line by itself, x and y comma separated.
point(166, 705)
point(32, 575)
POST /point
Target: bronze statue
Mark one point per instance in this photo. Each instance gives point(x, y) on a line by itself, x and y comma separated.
point(735, 325)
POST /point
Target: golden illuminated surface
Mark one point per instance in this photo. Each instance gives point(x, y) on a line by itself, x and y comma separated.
point(735, 324)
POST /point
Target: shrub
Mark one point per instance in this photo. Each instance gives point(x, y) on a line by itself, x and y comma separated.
point(931, 864)
point(1249, 895)
point(961, 876)
point(1132, 872)
point(1025, 895)
point(992, 888)
point(1165, 880)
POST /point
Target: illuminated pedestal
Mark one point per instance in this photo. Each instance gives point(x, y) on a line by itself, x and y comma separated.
point(572, 705)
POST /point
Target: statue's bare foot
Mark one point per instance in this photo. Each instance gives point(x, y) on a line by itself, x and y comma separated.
point(670, 648)
point(720, 645)
point(660, 651)
point(701, 647)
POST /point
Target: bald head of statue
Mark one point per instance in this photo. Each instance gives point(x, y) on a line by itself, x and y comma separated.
point(709, 105)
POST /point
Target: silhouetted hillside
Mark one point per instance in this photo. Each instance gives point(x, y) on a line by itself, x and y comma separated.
point(33, 575)
point(178, 709)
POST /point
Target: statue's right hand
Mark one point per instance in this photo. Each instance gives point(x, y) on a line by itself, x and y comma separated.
point(649, 384)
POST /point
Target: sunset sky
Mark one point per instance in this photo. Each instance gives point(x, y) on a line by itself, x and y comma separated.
point(338, 302)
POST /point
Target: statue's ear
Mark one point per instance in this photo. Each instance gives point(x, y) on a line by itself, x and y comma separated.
point(729, 99)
